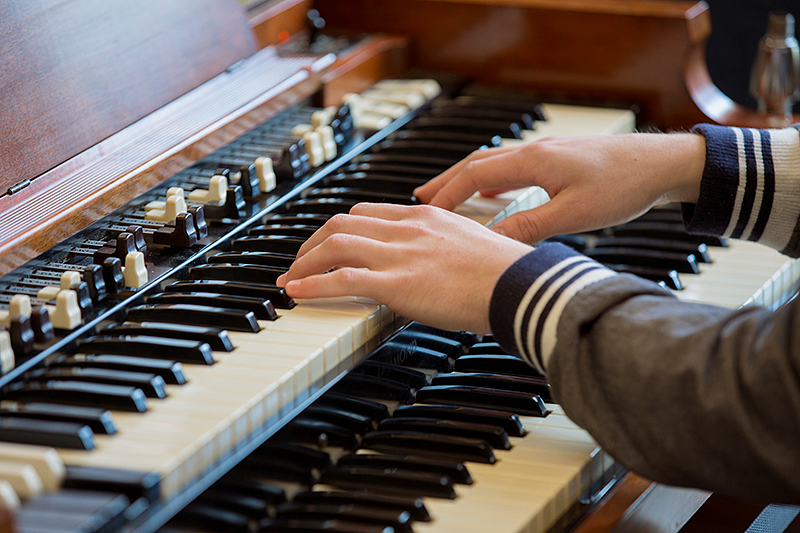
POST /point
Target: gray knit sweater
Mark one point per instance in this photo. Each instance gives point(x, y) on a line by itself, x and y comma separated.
point(682, 393)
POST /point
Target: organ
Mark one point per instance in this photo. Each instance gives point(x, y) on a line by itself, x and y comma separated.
point(111, 108)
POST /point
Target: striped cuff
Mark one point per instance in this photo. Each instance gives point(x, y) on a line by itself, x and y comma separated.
point(531, 295)
point(750, 187)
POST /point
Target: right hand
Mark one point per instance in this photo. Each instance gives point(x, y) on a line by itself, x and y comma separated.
point(593, 182)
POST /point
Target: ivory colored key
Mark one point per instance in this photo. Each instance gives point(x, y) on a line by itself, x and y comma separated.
point(20, 304)
point(45, 461)
point(23, 478)
point(267, 181)
point(65, 314)
point(411, 99)
point(328, 142)
point(321, 118)
point(314, 148)
point(428, 87)
point(8, 496)
point(135, 271)
point(161, 204)
point(174, 206)
point(217, 191)
point(6, 352)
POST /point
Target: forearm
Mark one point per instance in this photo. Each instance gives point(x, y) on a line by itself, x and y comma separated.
point(682, 393)
point(750, 188)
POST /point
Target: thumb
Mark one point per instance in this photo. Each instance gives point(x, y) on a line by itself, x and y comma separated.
point(534, 225)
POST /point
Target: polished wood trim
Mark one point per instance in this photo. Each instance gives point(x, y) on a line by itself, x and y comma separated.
point(607, 53)
point(285, 17)
point(373, 59)
point(609, 510)
point(97, 181)
point(74, 73)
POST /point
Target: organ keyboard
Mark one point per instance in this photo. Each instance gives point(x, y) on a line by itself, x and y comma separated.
point(145, 467)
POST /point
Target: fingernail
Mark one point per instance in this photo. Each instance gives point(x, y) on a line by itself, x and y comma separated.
point(500, 231)
point(280, 279)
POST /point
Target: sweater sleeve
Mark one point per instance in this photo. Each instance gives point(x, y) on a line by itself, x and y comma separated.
point(750, 188)
point(683, 393)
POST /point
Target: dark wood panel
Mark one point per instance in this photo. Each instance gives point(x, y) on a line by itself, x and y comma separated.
point(73, 73)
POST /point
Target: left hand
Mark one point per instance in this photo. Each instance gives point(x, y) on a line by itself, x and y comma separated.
point(423, 262)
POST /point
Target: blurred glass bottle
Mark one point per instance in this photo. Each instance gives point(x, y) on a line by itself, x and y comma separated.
point(775, 78)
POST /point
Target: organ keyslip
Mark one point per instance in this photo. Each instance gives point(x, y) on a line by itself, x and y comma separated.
point(153, 254)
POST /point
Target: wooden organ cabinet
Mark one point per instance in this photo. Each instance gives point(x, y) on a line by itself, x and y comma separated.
point(147, 151)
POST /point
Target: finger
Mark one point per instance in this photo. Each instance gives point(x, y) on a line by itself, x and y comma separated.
point(494, 172)
point(491, 193)
point(368, 227)
point(382, 211)
point(341, 250)
point(426, 192)
point(342, 282)
point(534, 225)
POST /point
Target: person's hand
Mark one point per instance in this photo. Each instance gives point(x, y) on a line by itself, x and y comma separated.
point(593, 182)
point(424, 263)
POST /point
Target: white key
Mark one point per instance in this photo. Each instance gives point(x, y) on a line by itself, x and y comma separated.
point(65, 314)
point(20, 304)
point(411, 99)
point(135, 271)
point(6, 352)
point(266, 174)
point(430, 88)
point(316, 154)
point(69, 278)
point(328, 142)
point(217, 191)
point(322, 117)
point(301, 129)
point(161, 204)
point(44, 460)
point(8, 496)
point(175, 205)
point(23, 478)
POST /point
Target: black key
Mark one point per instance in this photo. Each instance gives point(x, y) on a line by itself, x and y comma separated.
point(412, 356)
point(516, 402)
point(281, 244)
point(454, 470)
point(262, 309)
point(463, 337)
point(303, 219)
point(502, 103)
point(112, 275)
point(321, 206)
point(42, 327)
point(670, 278)
point(93, 276)
point(289, 525)
point(418, 443)
point(479, 113)
point(435, 136)
point(699, 251)
point(437, 165)
point(399, 520)
point(482, 127)
point(390, 480)
point(152, 385)
point(184, 351)
point(169, 371)
point(114, 397)
point(413, 378)
point(292, 230)
point(99, 420)
point(271, 494)
point(198, 315)
point(508, 421)
point(134, 485)
point(451, 348)
point(677, 261)
point(496, 381)
point(258, 274)
point(295, 453)
point(496, 364)
point(346, 193)
point(362, 180)
point(234, 206)
point(269, 259)
point(353, 421)
point(414, 506)
point(486, 348)
point(180, 232)
point(92, 512)
point(665, 230)
point(388, 168)
point(319, 433)
point(217, 338)
point(494, 435)
point(430, 148)
point(234, 501)
point(370, 408)
point(276, 295)
point(277, 468)
point(373, 387)
point(22, 336)
point(46, 433)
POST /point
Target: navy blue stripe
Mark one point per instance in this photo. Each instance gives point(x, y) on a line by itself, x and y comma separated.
point(768, 194)
point(750, 185)
point(537, 339)
point(526, 317)
point(714, 209)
